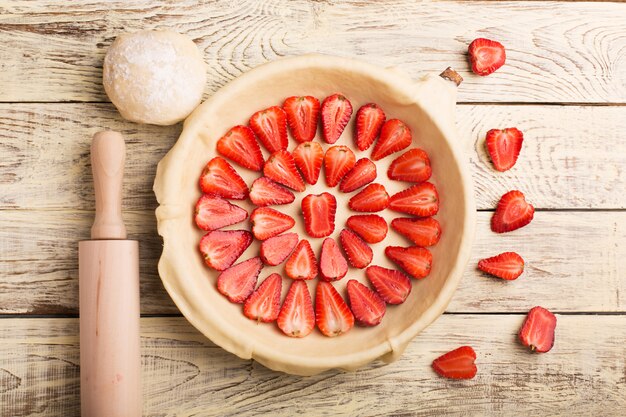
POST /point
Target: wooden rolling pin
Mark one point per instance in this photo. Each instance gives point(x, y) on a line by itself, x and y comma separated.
point(110, 361)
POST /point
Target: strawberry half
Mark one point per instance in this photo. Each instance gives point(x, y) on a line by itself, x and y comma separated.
point(395, 135)
point(319, 214)
point(363, 173)
point(369, 120)
point(239, 145)
point(336, 113)
point(220, 178)
point(281, 168)
point(486, 56)
point(504, 147)
point(419, 200)
point(358, 252)
point(221, 249)
point(338, 161)
point(332, 315)
point(238, 281)
point(457, 364)
point(333, 266)
point(302, 114)
point(370, 227)
point(415, 261)
point(367, 306)
point(276, 249)
point(512, 212)
point(422, 232)
point(537, 332)
point(267, 222)
point(265, 192)
point(302, 263)
point(297, 317)
point(213, 212)
point(411, 166)
point(308, 157)
point(270, 126)
point(391, 285)
point(507, 265)
point(372, 198)
point(264, 304)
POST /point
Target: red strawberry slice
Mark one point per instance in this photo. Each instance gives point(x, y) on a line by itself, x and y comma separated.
point(270, 126)
point(457, 364)
point(370, 227)
point(369, 120)
point(265, 192)
point(332, 315)
point(276, 249)
point(419, 200)
point(372, 198)
point(338, 161)
point(411, 166)
point(415, 261)
point(486, 56)
point(221, 249)
point(302, 263)
point(504, 147)
point(267, 222)
point(333, 266)
point(363, 173)
point(302, 114)
point(537, 332)
point(239, 145)
point(512, 212)
point(220, 178)
point(366, 305)
point(395, 135)
point(422, 232)
point(308, 157)
point(507, 265)
point(336, 113)
point(281, 167)
point(297, 317)
point(358, 252)
point(391, 285)
point(213, 212)
point(319, 214)
point(238, 281)
point(264, 304)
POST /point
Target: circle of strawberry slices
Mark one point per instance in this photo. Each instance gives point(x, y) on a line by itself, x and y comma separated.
point(284, 173)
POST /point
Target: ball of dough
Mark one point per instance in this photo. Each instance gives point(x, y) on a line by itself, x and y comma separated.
point(155, 77)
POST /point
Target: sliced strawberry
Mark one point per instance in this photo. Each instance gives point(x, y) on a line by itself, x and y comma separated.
point(395, 135)
point(415, 261)
point(319, 214)
point(297, 317)
point(276, 249)
point(238, 281)
point(363, 173)
point(270, 126)
point(507, 265)
point(370, 227)
point(338, 161)
point(267, 222)
point(308, 157)
point(220, 178)
point(367, 306)
point(512, 212)
point(302, 114)
point(336, 113)
point(372, 198)
point(302, 263)
point(486, 56)
point(358, 252)
point(264, 304)
point(392, 286)
point(411, 166)
point(265, 192)
point(239, 145)
point(333, 266)
point(281, 168)
point(537, 332)
point(457, 364)
point(213, 212)
point(221, 249)
point(504, 147)
point(332, 315)
point(422, 232)
point(369, 120)
point(419, 200)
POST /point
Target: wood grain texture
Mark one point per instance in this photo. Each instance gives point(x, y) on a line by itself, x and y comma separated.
point(556, 51)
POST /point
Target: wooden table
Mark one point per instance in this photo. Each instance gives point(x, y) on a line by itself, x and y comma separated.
point(564, 85)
